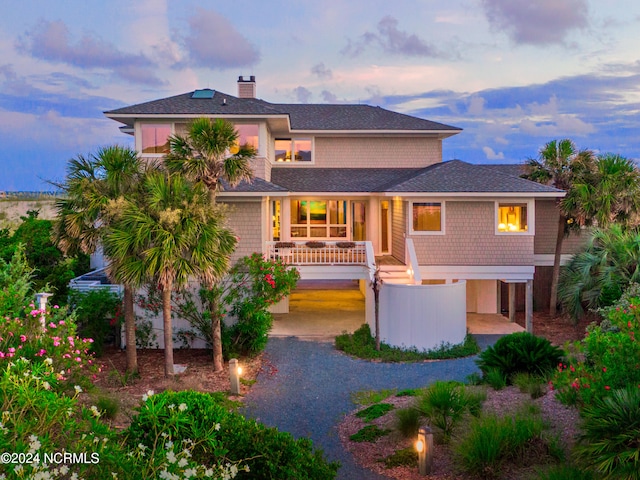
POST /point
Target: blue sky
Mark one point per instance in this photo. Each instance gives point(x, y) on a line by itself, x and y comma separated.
point(513, 74)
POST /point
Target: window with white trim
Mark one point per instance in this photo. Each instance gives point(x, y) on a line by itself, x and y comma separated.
point(426, 218)
point(293, 150)
point(319, 219)
point(155, 138)
point(513, 218)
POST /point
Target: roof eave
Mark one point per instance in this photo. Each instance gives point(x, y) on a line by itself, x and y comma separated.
point(477, 194)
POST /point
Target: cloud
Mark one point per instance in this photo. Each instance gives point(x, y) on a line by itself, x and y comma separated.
point(303, 95)
point(491, 155)
point(476, 105)
point(391, 40)
point(539, 22)
point(321, 71)
point(50, 41)
point(559, 126)
point(213, 42)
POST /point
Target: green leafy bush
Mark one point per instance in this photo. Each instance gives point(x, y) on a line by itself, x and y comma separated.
point(361, 344)
point(609, 443)
point(370, 433)
point(52, 269)
point(15, 284)
point(252, 286)
point(520, 352)
point(218, 433)
point(97, 313)
point(374, 411)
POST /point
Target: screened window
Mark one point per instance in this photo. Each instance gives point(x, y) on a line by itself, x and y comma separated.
point(155, 138)
point(427, 216)
point(512, 218)
point(293, 150)
point(318, 218)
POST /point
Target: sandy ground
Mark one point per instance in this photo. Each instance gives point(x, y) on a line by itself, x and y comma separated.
point(12, 210)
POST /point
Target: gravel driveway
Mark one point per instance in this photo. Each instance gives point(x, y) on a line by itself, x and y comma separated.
point(308, 390)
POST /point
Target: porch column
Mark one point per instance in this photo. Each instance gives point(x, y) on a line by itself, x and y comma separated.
point(529, 307)
point(512, 302)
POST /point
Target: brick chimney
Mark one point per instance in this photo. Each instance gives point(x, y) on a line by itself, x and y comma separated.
point(247, 88)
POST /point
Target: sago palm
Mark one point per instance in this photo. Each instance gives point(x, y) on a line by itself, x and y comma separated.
point(597, 276)
point(92, 186)
point(178, 236)
point(209, 153)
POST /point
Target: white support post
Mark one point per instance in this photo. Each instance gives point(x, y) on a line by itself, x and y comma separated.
point(234, 376)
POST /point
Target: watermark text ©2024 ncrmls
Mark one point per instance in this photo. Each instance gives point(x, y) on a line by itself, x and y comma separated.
point(51, 458)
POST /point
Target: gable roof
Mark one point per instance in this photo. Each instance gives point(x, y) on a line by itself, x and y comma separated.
point(454, 176)
point(301, 116)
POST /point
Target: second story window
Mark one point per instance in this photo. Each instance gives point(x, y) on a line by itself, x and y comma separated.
point(248, 135)
point(293, 150)
point(512, 218)
point(155, 138)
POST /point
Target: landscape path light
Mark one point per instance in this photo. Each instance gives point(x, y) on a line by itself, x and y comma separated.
point(235, 371)
point(424, 446)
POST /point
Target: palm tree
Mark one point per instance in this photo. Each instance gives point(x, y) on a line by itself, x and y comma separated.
point(558, 164)
point(597, 276)
point(177, 235)
point(608, 193)
point(94, 185)
point(209, 153)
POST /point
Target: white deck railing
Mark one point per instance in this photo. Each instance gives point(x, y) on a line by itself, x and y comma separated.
point(81, 284)
point(330, 253)
point(411, 259)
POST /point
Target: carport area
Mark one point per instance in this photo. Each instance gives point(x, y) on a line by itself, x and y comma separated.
point(320, 310)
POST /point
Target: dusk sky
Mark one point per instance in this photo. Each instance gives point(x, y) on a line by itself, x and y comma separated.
point(513, 74)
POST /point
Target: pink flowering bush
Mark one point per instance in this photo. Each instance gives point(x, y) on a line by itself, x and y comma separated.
point(27, 338)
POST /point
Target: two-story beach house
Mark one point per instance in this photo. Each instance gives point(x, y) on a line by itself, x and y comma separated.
point(341, 189)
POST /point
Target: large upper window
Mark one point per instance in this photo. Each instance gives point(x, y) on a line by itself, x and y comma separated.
point(512, 218)
point(426, 217)
point(293, 149)
point(318, 219)
point(247, 135)
point(155, 138)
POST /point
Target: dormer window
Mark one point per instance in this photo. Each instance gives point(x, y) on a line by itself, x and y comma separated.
point(293, 150)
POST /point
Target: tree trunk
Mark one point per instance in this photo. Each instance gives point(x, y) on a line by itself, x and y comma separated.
point(553, 298)
point(130, 330)
point(216, 328)
point(168, 329)
point(216, 337)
